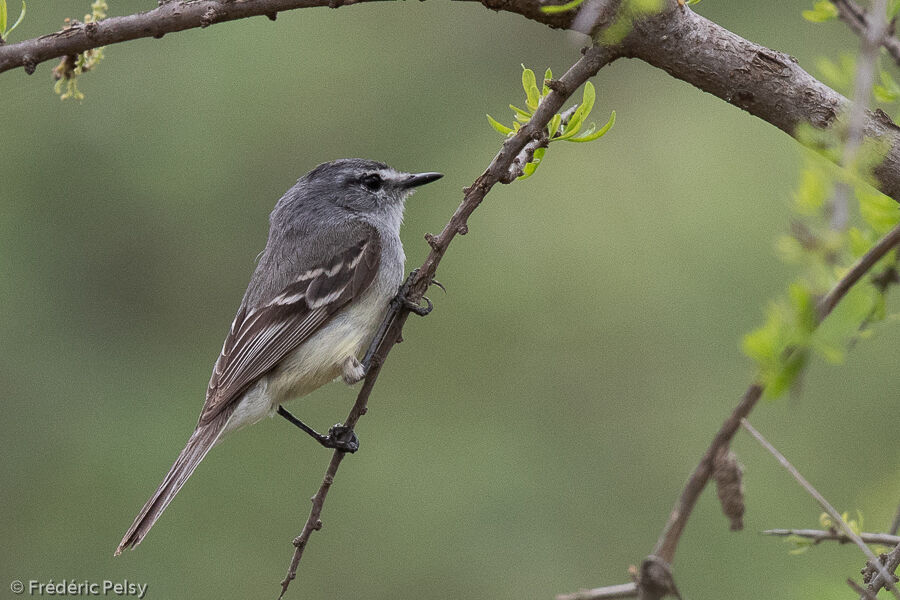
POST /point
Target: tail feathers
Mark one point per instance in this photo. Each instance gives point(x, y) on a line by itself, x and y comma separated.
point(200, 442)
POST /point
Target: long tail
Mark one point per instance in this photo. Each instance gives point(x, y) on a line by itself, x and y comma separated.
point(200, 442)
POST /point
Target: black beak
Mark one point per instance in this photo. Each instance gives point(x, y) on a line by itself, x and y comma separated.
point(418, 179)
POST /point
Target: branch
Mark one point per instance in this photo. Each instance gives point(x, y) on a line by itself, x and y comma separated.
point(863, 592)
point(681, 512)
point(872, 36)
point(764, 82)
point(818, 536)
point(831, 510)
point(625, 590)
point(891, 562)
point(593, 60)
point(856, 19)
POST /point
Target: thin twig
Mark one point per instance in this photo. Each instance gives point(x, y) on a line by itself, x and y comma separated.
point(856, 18)
point(863, 592)
point(895, 526)
point(593, 60)
point(860, 268)
point(832, 512)
point(668, 541)
point(871, 38)
point(819, 535)
point(624, 590)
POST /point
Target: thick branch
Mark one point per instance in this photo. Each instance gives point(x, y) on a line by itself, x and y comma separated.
point(764, 82)
point(594, 58)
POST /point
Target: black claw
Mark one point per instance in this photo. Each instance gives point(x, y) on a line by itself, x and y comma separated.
point(418, 309)
point(439, 284)
point(341, 438)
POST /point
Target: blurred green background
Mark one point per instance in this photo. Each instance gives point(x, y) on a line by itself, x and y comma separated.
point(528, 438)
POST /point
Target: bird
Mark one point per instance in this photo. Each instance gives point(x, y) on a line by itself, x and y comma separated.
point(332, 264)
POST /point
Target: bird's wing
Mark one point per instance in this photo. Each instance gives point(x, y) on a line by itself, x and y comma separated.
point(263, 335)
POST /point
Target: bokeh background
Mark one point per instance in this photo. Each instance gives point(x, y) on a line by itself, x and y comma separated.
point(528, 438)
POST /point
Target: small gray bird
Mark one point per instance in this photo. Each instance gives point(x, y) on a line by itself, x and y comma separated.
point(331, 266)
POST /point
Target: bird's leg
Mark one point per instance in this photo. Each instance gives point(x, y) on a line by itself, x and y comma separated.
point(338, 438)
point(398, 303)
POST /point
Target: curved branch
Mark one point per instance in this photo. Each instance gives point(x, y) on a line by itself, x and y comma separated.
point(171, 16)
point(764, 82)
point(671, 534)
point(498, 171)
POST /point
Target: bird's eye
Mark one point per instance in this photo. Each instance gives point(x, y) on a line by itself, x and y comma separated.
point(372, 182)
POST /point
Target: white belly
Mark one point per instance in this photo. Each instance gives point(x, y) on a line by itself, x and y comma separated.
point(318, 359)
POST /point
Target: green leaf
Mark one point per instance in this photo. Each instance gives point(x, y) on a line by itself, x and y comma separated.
point(781, 380)
point(581, 113)
point(553, 127)
point(839, 75)
point(531, 167)
point(527, 171)
point(822, 11)
point(560, 8)
point(804, 307)
point(529, 84)
point(501, 128)
point(892, 9)
point(882, 94)
point(2, 17)
point(19, 20)
point(548, 75)
point(842, 326)
point(813, 191)
point(590, 137)
point(877, 210)
point(520, 112)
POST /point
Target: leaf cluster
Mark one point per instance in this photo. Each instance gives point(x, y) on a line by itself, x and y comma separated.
point(70, 68)
point(792, 333)
point(566, 126)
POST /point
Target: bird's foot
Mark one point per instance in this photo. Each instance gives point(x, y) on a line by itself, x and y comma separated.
point(402, 298)
point(341, 438)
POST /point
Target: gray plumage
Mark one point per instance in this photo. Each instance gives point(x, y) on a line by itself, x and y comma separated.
point(332, 262)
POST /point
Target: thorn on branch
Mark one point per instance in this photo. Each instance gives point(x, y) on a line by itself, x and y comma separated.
point(728, 474)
